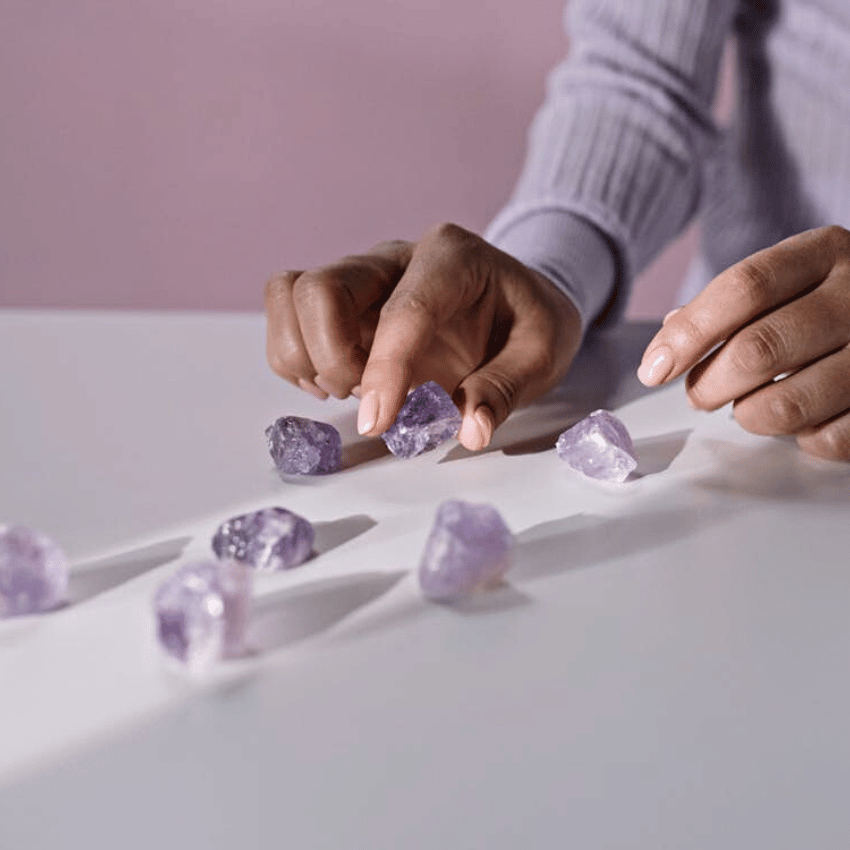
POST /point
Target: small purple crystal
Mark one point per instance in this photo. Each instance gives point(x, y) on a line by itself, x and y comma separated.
point(33, 572)
point(428, 418)
point(203, 611)
point(599, 446)
point(304, 446)
point(270, 539)
point(469, 547)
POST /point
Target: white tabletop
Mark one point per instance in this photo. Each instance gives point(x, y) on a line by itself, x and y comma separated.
point(666, 666)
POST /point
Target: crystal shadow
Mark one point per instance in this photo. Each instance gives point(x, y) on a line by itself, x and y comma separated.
point(585, 540)
point(329, 535)
point(95, 577)
point(298, 613)
point(655, 454)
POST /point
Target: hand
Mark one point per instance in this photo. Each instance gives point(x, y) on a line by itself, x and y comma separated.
point(450, 308)
point(781, 318)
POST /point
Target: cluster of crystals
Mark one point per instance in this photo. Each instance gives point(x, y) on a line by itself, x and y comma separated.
point(304, 446)
point(33, 572)
point(469, 547)
point(599, 446)
point(428, 418)
point(269, 539)
point(203, 611)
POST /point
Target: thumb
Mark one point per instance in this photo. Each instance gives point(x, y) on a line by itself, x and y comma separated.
point(520, 371)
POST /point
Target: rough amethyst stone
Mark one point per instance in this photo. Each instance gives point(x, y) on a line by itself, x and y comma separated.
point(599, 446)
point(33, 572)
point(270, 539)
point(203, 611)
point(469, 547)
point(428, 418)
point(304, 446)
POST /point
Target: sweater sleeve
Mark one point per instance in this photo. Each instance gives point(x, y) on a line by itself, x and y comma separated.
point(617, 151)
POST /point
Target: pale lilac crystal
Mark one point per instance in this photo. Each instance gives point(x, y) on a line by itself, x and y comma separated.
point(469, 547)
point(428, 418)
point(203, 611)
point(304, 446)
point(33, 572)
point(599, 446)
point(270, 539)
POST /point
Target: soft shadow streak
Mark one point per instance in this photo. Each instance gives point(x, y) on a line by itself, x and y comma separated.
point(96, 577)
point(329, 535)
point(301, 612)
point(655, 454)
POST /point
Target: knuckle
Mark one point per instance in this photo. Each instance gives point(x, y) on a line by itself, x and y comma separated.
point(786, 413)
point(409, 302)
point(832, 442)
point(839, 237)
point(502, 393)
point(279, 283)
point(759, 349)
point(753, 282)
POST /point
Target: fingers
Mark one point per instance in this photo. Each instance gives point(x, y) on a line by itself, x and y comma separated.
point(784, 340)
point(316, 320)
point(439, 281)
point(739, 295)
point(812, 404)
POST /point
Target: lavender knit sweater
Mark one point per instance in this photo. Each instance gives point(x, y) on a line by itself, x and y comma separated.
point(625, 152)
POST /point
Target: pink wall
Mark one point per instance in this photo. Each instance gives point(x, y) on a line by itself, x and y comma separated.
point(175, 154)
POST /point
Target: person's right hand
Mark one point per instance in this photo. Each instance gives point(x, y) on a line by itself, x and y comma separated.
point(450, 308)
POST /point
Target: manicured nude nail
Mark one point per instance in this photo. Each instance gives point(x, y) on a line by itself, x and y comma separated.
point(367, 415)
point(484, 419)
point(325, 388)
point(670, 315)
point(656, 366)
point(355, 391)
point(311, 388)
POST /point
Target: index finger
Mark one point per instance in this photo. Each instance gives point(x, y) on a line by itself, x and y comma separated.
point(435, 285)
point(746, 290)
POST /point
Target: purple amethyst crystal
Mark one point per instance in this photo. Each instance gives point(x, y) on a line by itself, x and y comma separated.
point(33, 572)
point(469, 547)
point(270, 539)
point(203, 612)
point(599, 446)
point(304, 446)
point(428, 418)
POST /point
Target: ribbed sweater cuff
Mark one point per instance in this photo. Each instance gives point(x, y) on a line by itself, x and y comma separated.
point(565, 248)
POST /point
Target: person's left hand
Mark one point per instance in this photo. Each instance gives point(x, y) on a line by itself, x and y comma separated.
point(772, 335)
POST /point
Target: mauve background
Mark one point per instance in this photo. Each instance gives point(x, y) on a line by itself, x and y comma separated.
point(175, 154)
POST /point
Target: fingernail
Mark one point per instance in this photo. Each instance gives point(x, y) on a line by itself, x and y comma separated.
point(355, 391)
point(311, 388)
point(485, 424)
point(367, 415)
point(656, 366)
point(670, 315)
point(325, 388)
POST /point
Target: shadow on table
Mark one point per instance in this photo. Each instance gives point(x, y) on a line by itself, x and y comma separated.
point(655, 454)
point(329, 535)
point(301, 612)
point(95, 577)
point(603, 375)
point(776, 470)
point(585, 540)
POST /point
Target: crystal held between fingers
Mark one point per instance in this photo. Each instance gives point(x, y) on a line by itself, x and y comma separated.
point(599, 446)
point(203, 611)
point(304, 446)
point(469, 547)
point(427, 419)
point(33, 572)
point(269, 539)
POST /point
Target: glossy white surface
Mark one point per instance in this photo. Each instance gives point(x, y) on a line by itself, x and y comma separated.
point(666, 666)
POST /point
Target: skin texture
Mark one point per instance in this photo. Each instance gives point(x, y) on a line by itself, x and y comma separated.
point(450, 308)
point(772, 335)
